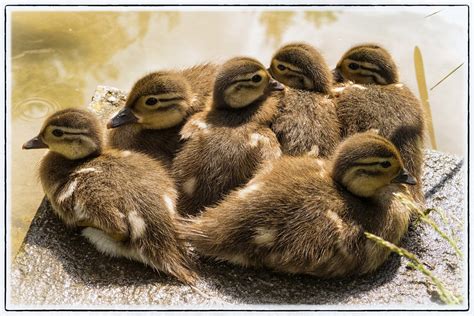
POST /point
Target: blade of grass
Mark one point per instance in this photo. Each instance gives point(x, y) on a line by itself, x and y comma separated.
point(446, 77)
point(446, 296)
point(432, 14)
point(424, 216)
point(420, 78)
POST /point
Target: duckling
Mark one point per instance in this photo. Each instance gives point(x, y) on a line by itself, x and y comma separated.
point(227, 143)
point(307, 215)
point(156, 109)
point(366, 64)
point(307, 120)
point(377, 100)
point(125, 200)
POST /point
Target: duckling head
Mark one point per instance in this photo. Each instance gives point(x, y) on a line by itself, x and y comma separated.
point(72, 133)
point(367, 162)
point(157, 101)
point(240, 82)
point(366, 64)
point(301, 66)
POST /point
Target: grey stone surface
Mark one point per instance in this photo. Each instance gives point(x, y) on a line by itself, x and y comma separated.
point(57, 267)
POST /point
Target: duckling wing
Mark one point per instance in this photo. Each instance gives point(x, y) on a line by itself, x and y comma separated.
point(307, 122)
point(284, 219)
point(195, 125)
point(89, 199)
point(216, 160)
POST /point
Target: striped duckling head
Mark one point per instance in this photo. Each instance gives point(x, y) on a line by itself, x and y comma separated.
point(242, 81)
point(366, 162)
point(301, 66)
point(366, 64)
point(158, 100)
point(72, 133)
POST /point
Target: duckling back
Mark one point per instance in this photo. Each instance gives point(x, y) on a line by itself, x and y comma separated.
point(225, 145)
point(294, 217)
point(306, 122)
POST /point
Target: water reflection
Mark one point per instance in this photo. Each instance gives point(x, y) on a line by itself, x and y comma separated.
point(35, 108)
point(52, 52)
point(319, 18)
point(277, 22)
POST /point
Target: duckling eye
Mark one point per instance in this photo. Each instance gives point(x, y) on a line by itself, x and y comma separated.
point(353, 66)
point(281, 67)
point(151, 101)
point(57, 132)
point(385, 164)
point(257, 78)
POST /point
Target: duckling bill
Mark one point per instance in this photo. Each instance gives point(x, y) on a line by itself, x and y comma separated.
point(124, 200)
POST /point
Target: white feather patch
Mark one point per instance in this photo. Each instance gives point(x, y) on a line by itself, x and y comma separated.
point(314, 152)
point(137, 225)
point(67, 192)
point(189, 186)
point(170, 205)
point(200, 124)
point(104, 243)
point(265, 236)
point(358, 86)
point(87, 170)
point(79, 210)
point(256, 138)
point(125, 153)
point(337, 91)
point(249, 189)
point(238, 259)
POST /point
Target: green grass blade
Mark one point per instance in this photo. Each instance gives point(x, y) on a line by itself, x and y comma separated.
point(446, 296)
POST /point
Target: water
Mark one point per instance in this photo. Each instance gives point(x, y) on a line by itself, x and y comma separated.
point(58, 58)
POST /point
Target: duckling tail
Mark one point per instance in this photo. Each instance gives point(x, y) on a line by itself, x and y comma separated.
point(188, 229)
point(182, 271)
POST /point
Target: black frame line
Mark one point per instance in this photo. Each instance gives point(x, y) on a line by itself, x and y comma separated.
point(237, 6)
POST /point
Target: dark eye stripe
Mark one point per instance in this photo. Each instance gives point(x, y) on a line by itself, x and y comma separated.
point(377, 71)
point(365, 163)
point(371, 172)
point(171, 99)
point(370, 69)
point(243, 80)
point(296, 71)
point(374, 78)
point(69, 133)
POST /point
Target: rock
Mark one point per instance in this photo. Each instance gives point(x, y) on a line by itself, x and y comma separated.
point(107, 101)
point(57, 266)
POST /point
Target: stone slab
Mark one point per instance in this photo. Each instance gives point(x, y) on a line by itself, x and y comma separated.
point(56, 267)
